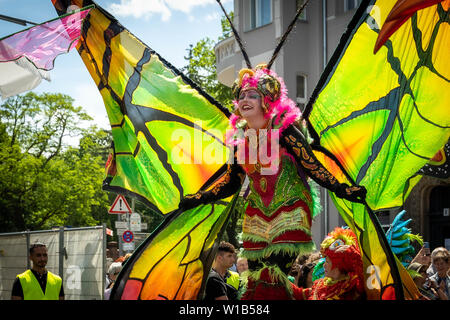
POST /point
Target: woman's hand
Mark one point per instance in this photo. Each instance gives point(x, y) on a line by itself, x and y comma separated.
point(190, 201)
point(353, 193)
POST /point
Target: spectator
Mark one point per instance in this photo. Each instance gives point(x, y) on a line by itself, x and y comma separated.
point(314, 257)
point(343, 268)
point(113, 272)
point(302, 269)
point(305, 275)
point(423, 257)
point(109, 261)
point(234, 266)
point(126, 257)
point(422, 282)
point(441, 280)
point(301, 259)
point(38, 283)
point(241, 265)
point(123, 259)
point(217, 287)
point(431, 269)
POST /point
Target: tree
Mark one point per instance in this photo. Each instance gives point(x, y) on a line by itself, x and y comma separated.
point(201, 66)
point(40, 123)
point(44, 181)
point(234, 227)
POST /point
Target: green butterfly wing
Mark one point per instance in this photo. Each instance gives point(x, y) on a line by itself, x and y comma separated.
point(374, 114)
point(168, 142)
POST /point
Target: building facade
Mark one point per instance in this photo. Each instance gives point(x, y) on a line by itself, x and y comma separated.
point(301, 61)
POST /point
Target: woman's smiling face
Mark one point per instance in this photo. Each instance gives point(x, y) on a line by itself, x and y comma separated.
point(250, 104)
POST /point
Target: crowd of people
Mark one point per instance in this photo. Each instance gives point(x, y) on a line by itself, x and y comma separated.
point(431, 273)
point(323, 275)
point(334, 272)
point(114, 268)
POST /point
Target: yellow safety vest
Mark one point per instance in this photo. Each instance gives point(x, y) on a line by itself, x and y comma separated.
point(32, 289)
point(233, 279)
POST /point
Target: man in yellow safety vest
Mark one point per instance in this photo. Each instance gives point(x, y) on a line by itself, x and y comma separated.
point(38, 283)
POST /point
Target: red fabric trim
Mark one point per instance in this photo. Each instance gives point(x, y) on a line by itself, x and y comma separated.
point(292, 236)
point(250, 211)
point(265, 289)
point(251, 246)
point(295, 236)
point(300, 293)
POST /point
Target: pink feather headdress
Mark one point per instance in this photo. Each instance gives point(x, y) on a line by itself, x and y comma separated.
point(276, 102)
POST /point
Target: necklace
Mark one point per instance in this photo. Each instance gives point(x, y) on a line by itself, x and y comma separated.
point(255, 139)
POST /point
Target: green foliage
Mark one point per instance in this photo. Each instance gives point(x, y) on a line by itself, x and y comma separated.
point(43, 181)
point(153, 219)
point(226, 27)
point(234, 228)
point(201, 66)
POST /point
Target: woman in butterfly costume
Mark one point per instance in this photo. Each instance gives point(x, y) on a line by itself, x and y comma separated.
point(147, 98)
point(271, 149)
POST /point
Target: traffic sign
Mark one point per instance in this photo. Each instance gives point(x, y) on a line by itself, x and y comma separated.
point(120, 206)
point(128, 236)
point(121, 225)
point(135, 222)
point(128, 246)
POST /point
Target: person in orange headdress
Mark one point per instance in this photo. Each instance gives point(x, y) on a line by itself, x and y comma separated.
point(343, 266)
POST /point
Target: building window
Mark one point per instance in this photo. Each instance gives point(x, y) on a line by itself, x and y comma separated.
point(384, 219)
point(301, 91)
point(302, 16)
point(259, 12)
point(351, 4)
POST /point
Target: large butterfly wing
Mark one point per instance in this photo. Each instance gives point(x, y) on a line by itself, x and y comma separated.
point(168, 134)
point(375, 114)
point(384, 274)
point(168, 142)
point(439, 165)
point(173, 263)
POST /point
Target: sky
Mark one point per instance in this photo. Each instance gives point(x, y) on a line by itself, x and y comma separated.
point(166, 26)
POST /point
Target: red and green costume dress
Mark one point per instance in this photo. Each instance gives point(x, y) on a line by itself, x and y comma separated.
point(281, 206)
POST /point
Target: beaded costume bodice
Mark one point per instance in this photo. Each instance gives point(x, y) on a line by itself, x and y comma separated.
point(268, 193)
point(275, 179)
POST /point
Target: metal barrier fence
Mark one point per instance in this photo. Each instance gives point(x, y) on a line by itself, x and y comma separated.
point(77, 255)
